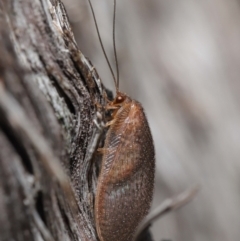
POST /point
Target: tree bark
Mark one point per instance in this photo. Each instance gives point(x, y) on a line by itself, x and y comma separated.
point(49, 97)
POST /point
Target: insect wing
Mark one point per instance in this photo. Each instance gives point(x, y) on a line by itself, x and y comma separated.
point(127, 175)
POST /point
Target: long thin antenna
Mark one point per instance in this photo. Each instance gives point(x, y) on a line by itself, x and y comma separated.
point(114, 43)
point(103, 49)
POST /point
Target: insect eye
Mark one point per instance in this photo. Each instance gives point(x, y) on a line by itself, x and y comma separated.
point(119, 99)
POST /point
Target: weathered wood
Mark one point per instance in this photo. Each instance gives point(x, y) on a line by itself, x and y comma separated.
point(48, 97)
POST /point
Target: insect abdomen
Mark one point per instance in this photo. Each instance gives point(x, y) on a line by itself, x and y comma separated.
point(126, 181)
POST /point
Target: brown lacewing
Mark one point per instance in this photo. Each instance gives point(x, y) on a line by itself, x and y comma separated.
point(126, 180)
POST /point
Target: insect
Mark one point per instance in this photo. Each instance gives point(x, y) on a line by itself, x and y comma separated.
point(126, 180)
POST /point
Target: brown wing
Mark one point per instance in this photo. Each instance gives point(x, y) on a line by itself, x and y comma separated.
point(125, 189)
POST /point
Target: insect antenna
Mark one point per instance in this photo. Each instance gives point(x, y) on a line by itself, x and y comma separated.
point(114, 43)
point(101, 43)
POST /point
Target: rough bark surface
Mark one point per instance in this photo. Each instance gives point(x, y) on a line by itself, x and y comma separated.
point(48, 96)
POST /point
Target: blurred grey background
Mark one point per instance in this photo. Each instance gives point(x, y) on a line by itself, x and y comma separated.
point(181, 60)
